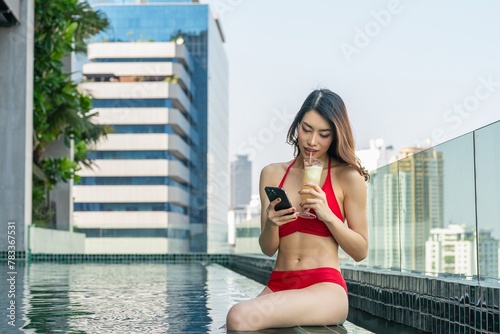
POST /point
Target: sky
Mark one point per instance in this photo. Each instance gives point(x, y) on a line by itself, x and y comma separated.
point(409, 72)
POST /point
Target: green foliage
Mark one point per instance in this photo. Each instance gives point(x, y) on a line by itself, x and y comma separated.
point(43, 214)
point(59, 109)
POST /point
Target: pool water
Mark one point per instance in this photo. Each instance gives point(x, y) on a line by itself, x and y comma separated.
point(130, 298)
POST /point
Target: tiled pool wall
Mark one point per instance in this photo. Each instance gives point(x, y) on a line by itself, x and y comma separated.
point(429, 304)
point(221, 259)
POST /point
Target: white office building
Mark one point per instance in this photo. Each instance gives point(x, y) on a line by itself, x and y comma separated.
point(454, 250)
point(158, 77)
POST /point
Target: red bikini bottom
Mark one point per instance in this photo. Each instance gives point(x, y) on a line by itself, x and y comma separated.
point(299, 279)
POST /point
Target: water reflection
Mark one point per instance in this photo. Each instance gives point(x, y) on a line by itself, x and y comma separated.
point(131, 298)
point(110, 298)
point(187, 299)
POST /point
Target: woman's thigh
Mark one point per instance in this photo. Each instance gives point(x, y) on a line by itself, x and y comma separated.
point(319, 304)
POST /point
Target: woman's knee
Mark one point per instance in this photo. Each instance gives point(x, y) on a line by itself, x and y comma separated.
point(245, 317)
point(235, 317)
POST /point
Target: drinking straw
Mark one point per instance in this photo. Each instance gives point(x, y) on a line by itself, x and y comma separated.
point(310, 156)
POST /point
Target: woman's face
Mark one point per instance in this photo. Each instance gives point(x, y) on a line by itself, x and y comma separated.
point(314, 135)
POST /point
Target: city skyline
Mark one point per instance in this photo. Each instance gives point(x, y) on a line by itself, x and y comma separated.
point(412, 73)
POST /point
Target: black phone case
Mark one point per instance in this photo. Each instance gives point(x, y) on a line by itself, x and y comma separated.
point(275, 192)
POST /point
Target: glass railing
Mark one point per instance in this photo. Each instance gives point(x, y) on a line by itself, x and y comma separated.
point(434, 212)
point(437, 212)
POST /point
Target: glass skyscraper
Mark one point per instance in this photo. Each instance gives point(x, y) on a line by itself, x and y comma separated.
point(158, 77)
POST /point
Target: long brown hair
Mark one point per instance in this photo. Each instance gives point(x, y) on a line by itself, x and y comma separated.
point(331, 107)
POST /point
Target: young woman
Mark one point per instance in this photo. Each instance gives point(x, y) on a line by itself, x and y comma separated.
point(306, 287)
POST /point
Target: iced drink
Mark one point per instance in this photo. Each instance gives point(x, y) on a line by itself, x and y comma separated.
point(312, 173)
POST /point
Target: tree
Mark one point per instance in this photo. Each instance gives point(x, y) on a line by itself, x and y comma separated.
point(59, 109)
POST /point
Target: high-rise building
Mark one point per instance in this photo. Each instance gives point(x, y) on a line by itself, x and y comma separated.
point(454, 250)
point(158, 78)
point(421, 202)
point(241, 181)
point(451, 250)
point(487, 249)
point(405, 203)
point(382, 211)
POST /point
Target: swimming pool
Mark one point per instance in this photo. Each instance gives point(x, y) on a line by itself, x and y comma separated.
point(130, 298)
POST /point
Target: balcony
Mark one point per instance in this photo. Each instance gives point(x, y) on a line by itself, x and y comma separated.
point(145, 50)
point(136, 116)
point(147, 141)
point(138, 91)
point(131, 168)
point(131, 194)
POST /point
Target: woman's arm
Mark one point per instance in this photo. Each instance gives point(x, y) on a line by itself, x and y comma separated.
point(269, 240)
point(354, 238)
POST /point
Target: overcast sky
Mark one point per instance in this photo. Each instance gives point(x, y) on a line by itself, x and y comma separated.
point(408, 71)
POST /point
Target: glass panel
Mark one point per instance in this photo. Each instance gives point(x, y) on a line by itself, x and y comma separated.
point(488, 198)
point(437, 209)
point(383, 218)
point(457, 245)
point(414, 224)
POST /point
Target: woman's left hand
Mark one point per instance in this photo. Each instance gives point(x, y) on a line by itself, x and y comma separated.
point(318, 203)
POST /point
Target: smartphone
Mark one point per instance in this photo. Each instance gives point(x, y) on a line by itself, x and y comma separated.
point(275, 192)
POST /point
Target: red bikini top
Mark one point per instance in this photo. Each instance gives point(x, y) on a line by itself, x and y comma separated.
point(312, 226)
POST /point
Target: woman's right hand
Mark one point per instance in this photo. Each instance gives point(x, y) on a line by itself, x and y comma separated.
point(280, 217)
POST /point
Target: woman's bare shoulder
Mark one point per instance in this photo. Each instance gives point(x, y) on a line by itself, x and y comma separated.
point(349, 177)
point(346, 174)
point(275, 171)
point(276, 167)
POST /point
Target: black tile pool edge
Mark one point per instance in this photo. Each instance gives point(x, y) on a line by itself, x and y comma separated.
point(119, 258)
point(430, 304)
point(425, 303)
